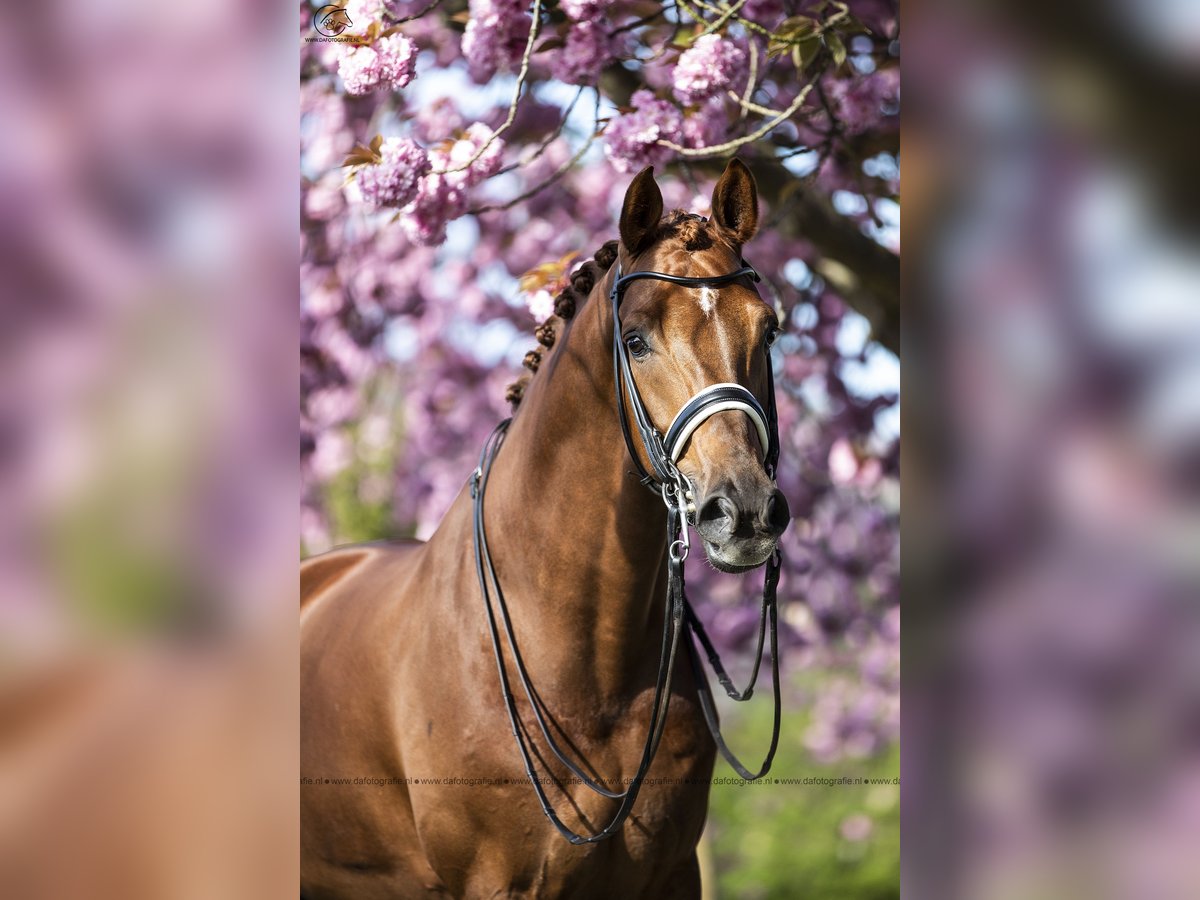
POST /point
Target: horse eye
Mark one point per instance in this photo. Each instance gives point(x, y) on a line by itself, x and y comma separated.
point(636, 345)
point(772, 334)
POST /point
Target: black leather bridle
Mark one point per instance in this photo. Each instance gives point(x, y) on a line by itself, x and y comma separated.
point(663, 452)
point(666, 480)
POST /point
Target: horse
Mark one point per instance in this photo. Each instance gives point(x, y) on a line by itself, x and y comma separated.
point(400, 686)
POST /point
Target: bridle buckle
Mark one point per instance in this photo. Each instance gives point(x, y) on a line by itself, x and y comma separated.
point(677, 495)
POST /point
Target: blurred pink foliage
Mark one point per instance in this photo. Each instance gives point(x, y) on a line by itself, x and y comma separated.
point(147, 453)
point(1051, 553)
point(414, 323)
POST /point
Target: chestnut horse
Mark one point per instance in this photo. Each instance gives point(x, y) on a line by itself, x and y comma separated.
point(399, 683)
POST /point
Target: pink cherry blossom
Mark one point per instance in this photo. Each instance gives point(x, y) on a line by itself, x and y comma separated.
point(631, 141)
point(394, 180)
point(362, 13)
point(437, 202)
point(863, 101)
point(437, 121)
point(476, 137)
point(389, 62)
point(495, 37)
point(587, 51)
point(709, 66)
point(441, 195)
point(706, 126)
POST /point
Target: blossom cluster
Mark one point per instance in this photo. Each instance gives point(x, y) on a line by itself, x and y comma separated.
point(862, 102)
point(437, 121)
point(631, 141)
point(394, 180)
point(540, 304)
point(442, 198)
point(587, 51)
point(363, 12)
point(478, 137)
point(430, 187)
point(495, 37)
point(708, 67)
point(581, 10)
point(588, 47)
point(388, 62)
point(707, 125)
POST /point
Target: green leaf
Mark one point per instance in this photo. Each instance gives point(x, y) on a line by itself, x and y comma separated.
point(791, 31)
point(804, 51)
point(794, 26)
point(837, 49)
point(852, 25)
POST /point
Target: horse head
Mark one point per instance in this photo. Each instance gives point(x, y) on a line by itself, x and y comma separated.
point(681, 339)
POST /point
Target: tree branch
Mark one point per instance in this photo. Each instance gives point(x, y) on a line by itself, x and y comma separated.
point(388, 14)
point(512, 107)
point(777, 118)
point(555, 176)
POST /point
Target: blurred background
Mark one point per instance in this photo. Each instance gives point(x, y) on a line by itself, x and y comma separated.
point(1052, 415)
point(421, 293)
point(148, 471)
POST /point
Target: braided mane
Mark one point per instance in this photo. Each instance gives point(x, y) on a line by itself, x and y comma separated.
point(568, 300)
point(693, 231)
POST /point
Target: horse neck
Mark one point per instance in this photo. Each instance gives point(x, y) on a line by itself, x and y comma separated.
point(579, 541)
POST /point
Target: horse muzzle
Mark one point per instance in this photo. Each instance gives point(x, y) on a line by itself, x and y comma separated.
point(741, 528)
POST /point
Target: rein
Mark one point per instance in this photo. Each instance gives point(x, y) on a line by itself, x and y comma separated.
point(679, 618)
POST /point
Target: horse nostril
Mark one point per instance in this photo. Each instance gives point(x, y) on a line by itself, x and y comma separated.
point(718, 518)
point(779, 514)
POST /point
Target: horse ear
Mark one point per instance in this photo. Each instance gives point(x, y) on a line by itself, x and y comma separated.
point(641, 211)
point(735, 202)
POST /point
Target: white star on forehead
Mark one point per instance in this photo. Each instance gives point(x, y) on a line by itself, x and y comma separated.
point(708, 299)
